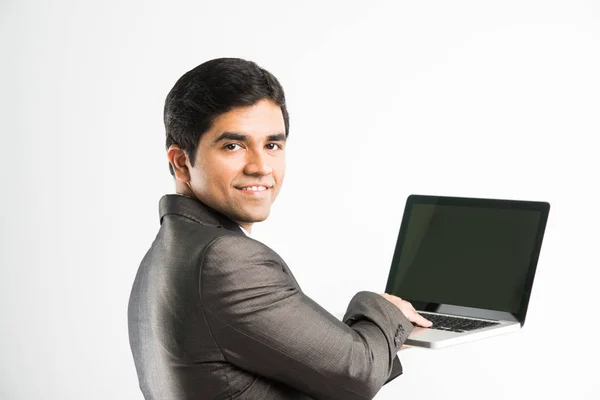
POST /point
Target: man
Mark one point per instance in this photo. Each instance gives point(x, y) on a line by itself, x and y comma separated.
point(214, 314)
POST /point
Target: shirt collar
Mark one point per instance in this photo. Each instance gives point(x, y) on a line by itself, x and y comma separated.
point(245, 231)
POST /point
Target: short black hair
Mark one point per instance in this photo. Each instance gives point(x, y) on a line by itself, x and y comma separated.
point(210, 90)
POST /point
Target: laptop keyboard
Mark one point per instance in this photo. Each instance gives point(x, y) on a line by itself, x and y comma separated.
point(455, 324)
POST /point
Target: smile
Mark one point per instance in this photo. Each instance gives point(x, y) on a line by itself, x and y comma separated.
point(254, 188)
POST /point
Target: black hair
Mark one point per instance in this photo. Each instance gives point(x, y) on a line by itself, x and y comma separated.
point(210, 90)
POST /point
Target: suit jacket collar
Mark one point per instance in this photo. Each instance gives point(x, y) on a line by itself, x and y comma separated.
point(195, 210)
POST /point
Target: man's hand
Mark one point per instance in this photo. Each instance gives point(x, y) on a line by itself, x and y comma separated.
point(408, 310)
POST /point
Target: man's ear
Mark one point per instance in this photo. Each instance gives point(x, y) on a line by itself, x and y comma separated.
point(180, 162)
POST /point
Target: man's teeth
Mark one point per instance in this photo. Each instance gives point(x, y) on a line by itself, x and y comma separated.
point(255, 188)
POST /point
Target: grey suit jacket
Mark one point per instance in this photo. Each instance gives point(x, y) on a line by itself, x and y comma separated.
point(214, 314)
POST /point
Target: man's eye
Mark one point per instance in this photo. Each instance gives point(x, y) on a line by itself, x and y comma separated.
point(231, 146)
point(270, 146)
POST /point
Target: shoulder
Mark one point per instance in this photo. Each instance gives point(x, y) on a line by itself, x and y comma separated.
point(238, 273)
point(231, 247)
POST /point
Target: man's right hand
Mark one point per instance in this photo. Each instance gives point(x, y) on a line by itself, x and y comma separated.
point(408, 310)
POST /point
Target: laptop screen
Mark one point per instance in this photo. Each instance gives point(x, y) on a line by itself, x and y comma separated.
point(467, 255)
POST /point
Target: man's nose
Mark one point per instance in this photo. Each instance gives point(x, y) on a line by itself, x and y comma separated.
point(257, 163)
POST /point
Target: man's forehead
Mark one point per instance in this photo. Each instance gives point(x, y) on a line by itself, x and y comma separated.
point(265, 111)
point(258, 122)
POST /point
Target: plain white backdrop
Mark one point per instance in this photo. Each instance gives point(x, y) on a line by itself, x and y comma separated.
point(495, 99)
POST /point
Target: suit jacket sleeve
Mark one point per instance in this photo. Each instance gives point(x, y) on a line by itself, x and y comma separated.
point(264, 323)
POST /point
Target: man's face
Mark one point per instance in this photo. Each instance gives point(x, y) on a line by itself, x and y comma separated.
point(240, 163)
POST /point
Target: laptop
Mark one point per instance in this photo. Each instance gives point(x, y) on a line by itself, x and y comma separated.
point(467, 265)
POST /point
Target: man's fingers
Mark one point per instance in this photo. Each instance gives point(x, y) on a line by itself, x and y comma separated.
point(421, 320)
point(408, 310)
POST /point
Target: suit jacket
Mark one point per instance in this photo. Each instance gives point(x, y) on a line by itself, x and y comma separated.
point(215, 314)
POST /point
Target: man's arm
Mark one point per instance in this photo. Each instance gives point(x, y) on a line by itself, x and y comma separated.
point(264, 324)
point(402, 330)
point(396, 370)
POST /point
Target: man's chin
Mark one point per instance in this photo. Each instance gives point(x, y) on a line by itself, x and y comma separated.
point(252, 220)
point(251, 217)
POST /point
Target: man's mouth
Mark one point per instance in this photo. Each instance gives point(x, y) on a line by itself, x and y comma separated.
point(254, 188)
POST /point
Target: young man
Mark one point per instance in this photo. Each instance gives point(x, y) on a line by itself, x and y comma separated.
point(214, 314)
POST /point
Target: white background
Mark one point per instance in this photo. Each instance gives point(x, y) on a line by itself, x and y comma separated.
point(493, 99)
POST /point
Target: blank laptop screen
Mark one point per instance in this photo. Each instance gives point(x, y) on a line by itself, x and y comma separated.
point(466, 256)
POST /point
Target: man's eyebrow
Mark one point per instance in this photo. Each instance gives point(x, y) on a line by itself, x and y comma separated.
point(231, 136)
point(280, 137)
